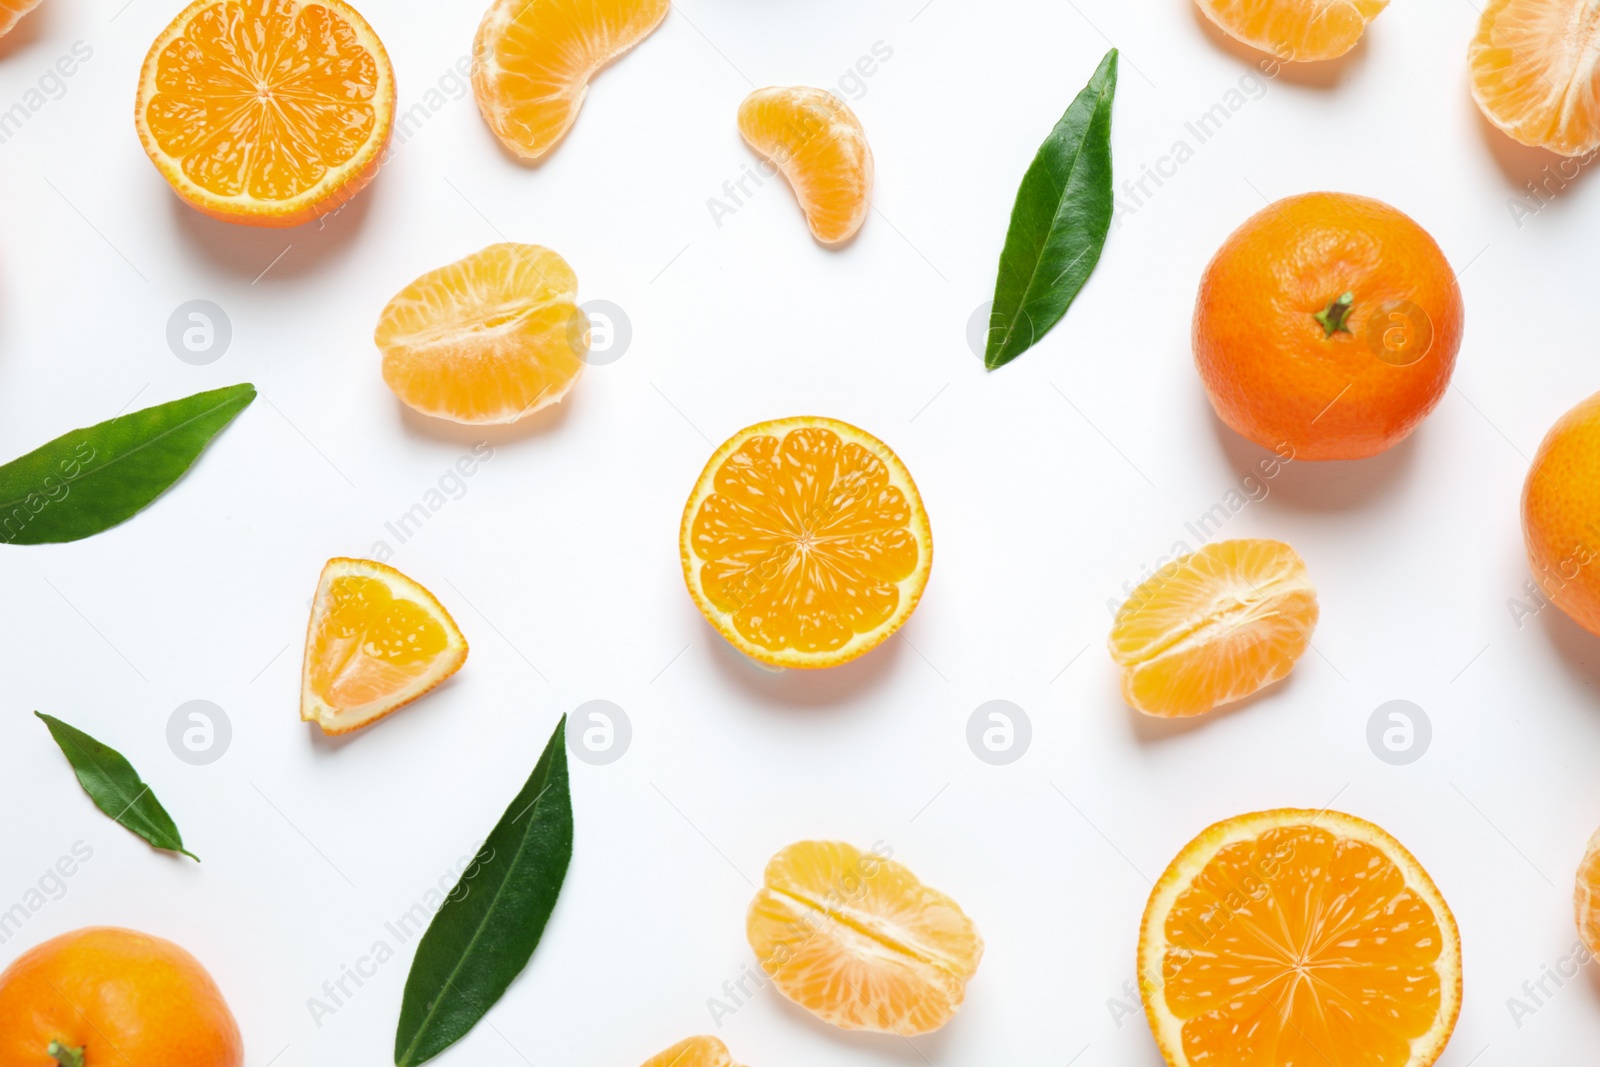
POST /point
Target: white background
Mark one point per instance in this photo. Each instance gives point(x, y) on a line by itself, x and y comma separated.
point(1049, 484)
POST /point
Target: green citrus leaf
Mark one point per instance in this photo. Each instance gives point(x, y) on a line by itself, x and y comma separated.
point(115, 787)
point(91, 479)
point(491, 922)
point(1058, 224)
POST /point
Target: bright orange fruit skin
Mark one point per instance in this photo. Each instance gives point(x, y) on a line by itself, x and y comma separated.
point(1536, 72)
point(533, 60)
point(121, 996)
point(1301, 939)
point(1277, 375)
point(1561, 514)
point(1295, 30)
point(805, 543)
point(702, 1051)
point(859, 941)
point(266, 112)
point(819, 145)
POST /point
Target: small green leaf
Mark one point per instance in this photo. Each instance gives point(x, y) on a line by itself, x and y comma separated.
point(91, 479)
point(489, 925)
point(1058, 224)
point(115, 787)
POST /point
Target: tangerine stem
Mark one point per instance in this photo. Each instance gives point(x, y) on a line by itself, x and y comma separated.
point(1332, 317)
point(64, 1056)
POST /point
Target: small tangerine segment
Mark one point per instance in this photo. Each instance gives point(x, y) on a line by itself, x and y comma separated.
point(376, 641)
point(1299, 937)
point(490, 338)
point(114, 996)
point(1535, 68)
point(1586, 896)
point(857, 940)
point(1327, 326)
point(533, 60)
point(1295, 30)
point(266, 112)
point(701, 1051)
point(819, 145)
point(1213, 627)
point(805, 543)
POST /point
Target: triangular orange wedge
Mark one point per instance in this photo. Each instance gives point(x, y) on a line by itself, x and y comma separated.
point(376, 642)
point(1300, 938)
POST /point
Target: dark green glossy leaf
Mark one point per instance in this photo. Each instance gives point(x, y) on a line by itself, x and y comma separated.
point(91, 479)
point(115, 787)
point(1058, 224)
point(491, 922)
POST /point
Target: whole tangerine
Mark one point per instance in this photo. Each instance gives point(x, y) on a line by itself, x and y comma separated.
point(1561, 514)
point(1327, 327)
point(106, 997)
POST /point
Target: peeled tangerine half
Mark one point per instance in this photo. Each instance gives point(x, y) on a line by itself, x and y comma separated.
point(266, 112)
point(377, 641)
point(817, 142)
point(1586, 896)
point(804, 542)
point(1536, 72)
point(855, 939)
point(489, 338)
point(533, 60)
point(700, 1051)
point(1213, 627)
point(1295, 30)
point(1299, 939)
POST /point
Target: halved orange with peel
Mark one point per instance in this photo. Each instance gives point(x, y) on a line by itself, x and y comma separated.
point(805, 542)
point(857, 940)
point(1299, 938)
point(819, 145)
point(266, 112)
point(1213, 627)
point(532, 61)
point(1295, 30)
point(702, 1051)
point(376, 642)
point(486, 339)
point(1536, 72)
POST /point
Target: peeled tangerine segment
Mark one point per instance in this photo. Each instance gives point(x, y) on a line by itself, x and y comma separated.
point(534, 59)
point(1213, 627)
point(1301, 939)
point(805, 542)
point(854, 938)
point(1586, 896)
point(1295, 30)
point(489, 338)
point(376, 642)
point(817, 142)
point(702, 1051)
point(1536, 72)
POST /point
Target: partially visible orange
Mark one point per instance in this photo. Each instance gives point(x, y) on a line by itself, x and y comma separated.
point(1295, 30)
point(533, 60)
point(376, 641)
point(107, 997)
point(266, 112)
point(1299, 939)
point(1327, 326)
point(818, 143)
point(857, 940)
point(1586, 896)
point(489, 338)
point(1536, 72)
point(805, 542)
point(1213, 627)
point(700, 1051)
point(1561, 514)
point(12, 10)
